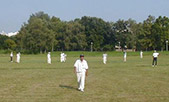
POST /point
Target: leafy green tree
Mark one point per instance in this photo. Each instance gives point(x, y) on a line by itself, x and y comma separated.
point(44, 33)
point(160, 31)
point(36, 35)
point(10, 44)
point(2, 40)
point(74, 37)
point(145, 38)
point(97, 31)
point(121, 32)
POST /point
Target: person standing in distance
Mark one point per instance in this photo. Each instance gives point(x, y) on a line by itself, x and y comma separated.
point(18, 57)
point(81, 70)
point(49, 58)
point(125, 56)
point(141, 54)
point(104, 58)
point(155, 56)
point(61, 57)
point(11, 56)
point(65, 57)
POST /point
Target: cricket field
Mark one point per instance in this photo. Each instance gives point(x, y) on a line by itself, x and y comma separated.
point(33, 80)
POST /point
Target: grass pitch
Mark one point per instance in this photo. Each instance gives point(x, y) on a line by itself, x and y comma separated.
point(33, 80)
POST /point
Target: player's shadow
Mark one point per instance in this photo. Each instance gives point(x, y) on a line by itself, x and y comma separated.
point(67, 87)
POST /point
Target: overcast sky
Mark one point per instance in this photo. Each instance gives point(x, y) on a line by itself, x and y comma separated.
point(15, 12)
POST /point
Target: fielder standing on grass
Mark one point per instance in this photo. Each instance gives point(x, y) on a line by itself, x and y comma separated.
point(141, 54)
point(155, 56)
point(125, 56)
point(49, 58)
point(61, 57)
point(104, 58)
point(18, 57)
point(65, 57)
point(81, 70)
point(11, 57)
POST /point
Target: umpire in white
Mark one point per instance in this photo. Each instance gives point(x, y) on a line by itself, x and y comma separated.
point(81, 70)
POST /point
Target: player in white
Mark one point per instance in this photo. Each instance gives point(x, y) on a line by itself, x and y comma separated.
point(141, 54)
point(104, 58)
point(81, 70)
point(49, 58)
point(18, 57)
point(125, 56)
point(11, 57)
point(62, 57)
point(155, 56)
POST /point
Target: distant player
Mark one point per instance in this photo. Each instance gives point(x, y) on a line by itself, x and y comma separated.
point(62, 57)
point(141, 54)
point(125, 56)
point(11, 57)
point(18, 57)
point(81, 70)
point(155, 56)
point(49, 58)
point(104, 58)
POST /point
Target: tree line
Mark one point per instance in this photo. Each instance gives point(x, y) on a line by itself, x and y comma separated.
point(42, 33)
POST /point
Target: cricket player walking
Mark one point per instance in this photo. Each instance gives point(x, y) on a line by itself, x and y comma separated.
point(11, 57)
point(18, 57)
point(81, 70)
point(49, 58)
point(104, 58)
point(125, 56)
point(155, 56)
point(141, 54)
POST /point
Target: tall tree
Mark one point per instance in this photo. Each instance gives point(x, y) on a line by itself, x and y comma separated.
point(145, 38)
point(97, 31)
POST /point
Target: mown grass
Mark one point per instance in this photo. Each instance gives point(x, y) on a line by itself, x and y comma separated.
point(33, 80)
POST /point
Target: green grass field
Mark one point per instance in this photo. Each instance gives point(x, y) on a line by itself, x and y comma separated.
point(33, 80)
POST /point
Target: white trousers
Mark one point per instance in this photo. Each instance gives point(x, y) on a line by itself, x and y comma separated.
point(49, 61)
point(141, 56)
point(61, 59)
point(81, 80)
point(18, 59)
point(104, 60)
point(125, 59)
point(64, 59)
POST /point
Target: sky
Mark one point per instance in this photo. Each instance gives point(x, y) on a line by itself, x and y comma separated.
point(13, 13)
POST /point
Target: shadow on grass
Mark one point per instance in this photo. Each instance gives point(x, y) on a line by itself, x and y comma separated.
point(67, 87)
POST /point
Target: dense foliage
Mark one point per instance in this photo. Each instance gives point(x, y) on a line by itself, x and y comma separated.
point(44, 33)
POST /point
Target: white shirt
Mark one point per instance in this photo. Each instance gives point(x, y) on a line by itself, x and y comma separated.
point(141, 53)
point(11, 54)
point(155, 54)
point(18, 55)
point(125, 54)
point(104, 55)
point(48, 56)
point(81, 66)
point(62, 55)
